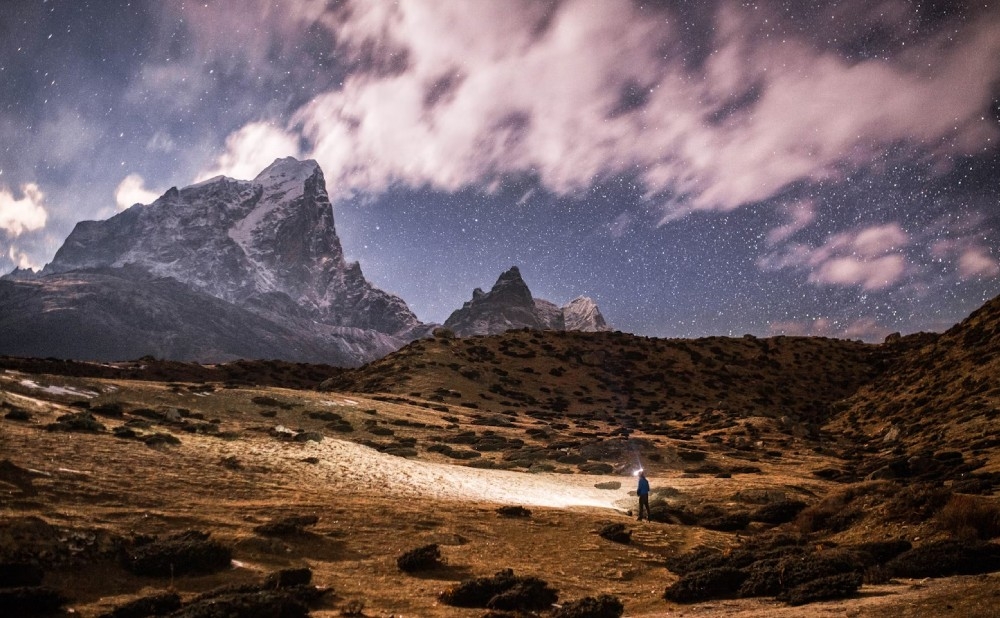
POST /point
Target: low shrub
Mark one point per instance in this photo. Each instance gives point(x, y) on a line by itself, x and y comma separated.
point(604, 606)
point(420, 559)
point(718, 583)
point(970, 517)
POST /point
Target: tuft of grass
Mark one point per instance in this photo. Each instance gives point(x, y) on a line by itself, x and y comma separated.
point(970, 517)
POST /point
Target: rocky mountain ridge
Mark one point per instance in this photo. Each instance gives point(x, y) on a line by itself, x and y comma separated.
point(509, 305)
point(260, 273)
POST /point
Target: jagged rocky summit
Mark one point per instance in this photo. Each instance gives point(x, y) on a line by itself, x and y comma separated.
point(219, 270)
point(509, 305)
point(227, 269)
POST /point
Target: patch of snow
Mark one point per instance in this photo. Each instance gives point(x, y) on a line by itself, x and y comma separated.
point(58, 390)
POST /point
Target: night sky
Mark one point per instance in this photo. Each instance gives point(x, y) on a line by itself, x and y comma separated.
point(698, 168)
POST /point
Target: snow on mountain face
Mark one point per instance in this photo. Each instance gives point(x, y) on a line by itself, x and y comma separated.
point(250, 243)
point(509, 305)
point(582, 314)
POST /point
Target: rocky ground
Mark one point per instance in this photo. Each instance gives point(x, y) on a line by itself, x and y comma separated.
point(204, 497)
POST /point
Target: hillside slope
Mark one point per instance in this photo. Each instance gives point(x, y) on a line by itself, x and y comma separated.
point(944, 395)
point(636, 381)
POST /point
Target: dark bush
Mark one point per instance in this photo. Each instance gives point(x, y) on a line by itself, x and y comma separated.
point(259, 604)
point(971, 517)
point(513, 511)
point(18, 414)
point(725, 522)
point(18, 574)
point(78, 421)
point(287, 578)
point(420, 559)
point(880, 552)
point(529, 593)
point(946, 558)
point(719, 583)
point(159, 439)
point(776, 513)
point(287, 526)
point(110, 410)
point(777, 575)
point(188, 552)
point(823, 589)
point(616, 533)
point(604, 606)
point(30, 601)
point(159, 604)
point(503, 591)
point(698, 559)
point(478, 592)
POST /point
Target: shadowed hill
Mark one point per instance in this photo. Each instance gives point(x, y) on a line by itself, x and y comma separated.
point(944, 395)
point(637, 381)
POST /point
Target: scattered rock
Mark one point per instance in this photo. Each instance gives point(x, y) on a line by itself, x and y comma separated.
point(608, 485)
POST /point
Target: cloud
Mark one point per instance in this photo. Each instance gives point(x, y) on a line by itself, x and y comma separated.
point(451, 94)
point(976, 262)
point(132, 190)
point(865, 328)
point(21, 259)
point(870, 258)
point(250, 150)
point(870, 274)
point(959, 243)
point(799, 215)
point(26, 214)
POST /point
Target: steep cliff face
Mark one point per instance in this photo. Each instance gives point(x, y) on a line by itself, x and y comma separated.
point(263, 254)
point(244, 242)
point(509, 306)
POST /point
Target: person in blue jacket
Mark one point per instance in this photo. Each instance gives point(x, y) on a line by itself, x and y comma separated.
point(643, 492)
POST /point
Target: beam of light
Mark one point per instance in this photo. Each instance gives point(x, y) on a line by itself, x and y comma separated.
point(346, 465)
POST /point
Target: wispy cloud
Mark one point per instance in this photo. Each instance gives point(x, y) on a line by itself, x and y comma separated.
point(870, 258)
point(250, 150)
point(132, 190)
point(22, 214)
point(451, 94)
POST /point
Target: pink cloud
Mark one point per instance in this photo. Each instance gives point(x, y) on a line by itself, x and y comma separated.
point(869, 258)
point(976, 262)
point(799, 215)
point(870, 274)
point(455, 93)
point(865, 328)
point(22, 214)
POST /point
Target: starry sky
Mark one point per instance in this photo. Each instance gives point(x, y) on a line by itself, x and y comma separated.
point(697, 168)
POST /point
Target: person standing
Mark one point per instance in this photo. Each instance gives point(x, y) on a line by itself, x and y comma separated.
point(643, 493)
